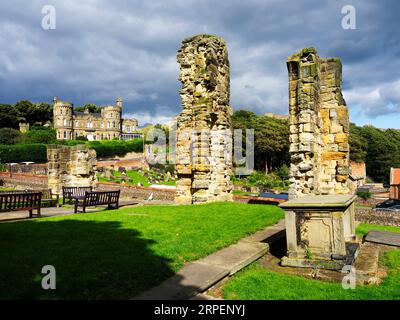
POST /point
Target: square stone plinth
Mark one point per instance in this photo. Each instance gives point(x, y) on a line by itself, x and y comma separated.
point(320, 231)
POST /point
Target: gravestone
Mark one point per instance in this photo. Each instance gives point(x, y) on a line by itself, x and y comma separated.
point(204, 127)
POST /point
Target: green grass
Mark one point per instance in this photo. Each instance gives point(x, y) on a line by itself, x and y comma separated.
point(137, 177)
point(363, 228)
point(257, 283)
point(118, 254)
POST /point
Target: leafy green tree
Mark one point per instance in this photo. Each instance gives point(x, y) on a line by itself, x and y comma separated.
point(92, 108)
point(9, 135)
point(42, 135)
point(358, 144)
point(9, 116)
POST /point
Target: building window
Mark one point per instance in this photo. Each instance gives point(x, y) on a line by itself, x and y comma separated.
point(58, 122)
point(65, 122)
point(128, 129)
point(102, 124)
point(65, 134)
point(102, 136)
point(114, 126)
point(76, 123)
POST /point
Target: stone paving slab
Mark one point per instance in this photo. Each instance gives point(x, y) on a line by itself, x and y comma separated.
point(192, 279)
point(237, 256)
point(367, 259)
point(383, 237)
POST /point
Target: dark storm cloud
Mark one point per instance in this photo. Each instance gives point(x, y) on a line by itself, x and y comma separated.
point(104, 49)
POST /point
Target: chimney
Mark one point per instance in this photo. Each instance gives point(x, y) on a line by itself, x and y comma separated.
point(55, 100)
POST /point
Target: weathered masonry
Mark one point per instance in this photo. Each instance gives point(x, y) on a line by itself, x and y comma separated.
point(319, 217)
point(71, 167)
point(319, 125)
point(204, 129)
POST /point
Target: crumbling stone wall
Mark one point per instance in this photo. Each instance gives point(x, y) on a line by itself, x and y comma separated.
point(204, 128)
point(319, 125)
point(71, 167)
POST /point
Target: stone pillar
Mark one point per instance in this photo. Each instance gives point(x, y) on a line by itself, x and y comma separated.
point(71, 167)
point(204, 128)
point(319, 217)
point(319, 125)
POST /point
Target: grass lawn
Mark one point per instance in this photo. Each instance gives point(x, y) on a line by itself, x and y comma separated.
point(118, 254)
point(257, 283)
point(137, 177)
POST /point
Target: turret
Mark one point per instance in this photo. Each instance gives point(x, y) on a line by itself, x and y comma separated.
point(63, 119)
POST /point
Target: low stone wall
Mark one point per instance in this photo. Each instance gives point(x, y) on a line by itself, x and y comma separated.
point(23, 180)
point(256, 200)
point(378, 217)
point(138, 192)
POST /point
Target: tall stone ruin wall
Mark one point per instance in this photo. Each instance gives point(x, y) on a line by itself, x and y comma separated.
point(204, 127)
point(71, 167)
point(319, 125)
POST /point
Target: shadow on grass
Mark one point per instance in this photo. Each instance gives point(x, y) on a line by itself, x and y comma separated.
point(93, 260)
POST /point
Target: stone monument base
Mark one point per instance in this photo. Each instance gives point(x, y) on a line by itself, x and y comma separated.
point(319, 261)
point(320, 232)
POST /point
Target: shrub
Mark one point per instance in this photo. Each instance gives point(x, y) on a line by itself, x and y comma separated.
point(365, 195)
point(40, 135)
point(23, 152)
point(9, 135)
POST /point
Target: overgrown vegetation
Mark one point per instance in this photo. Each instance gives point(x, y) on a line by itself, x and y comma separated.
point(277, 180)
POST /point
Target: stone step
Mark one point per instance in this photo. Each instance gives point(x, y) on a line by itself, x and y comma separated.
point(367, 263)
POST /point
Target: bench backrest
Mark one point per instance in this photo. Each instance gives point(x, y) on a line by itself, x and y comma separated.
point(20, 201)
point(101, 197)
point(46, 193)
point(75, 191)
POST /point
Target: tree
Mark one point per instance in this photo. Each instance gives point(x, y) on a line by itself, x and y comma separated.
point(358, 144)
point(40, 135)
point(9, 135)
point(92, 108)
point(271, 142)
point(9, 116)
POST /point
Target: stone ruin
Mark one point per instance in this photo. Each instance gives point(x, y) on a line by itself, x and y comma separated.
point(71, 167)
point(319, 217)
point(204, 127)
point(319, 125)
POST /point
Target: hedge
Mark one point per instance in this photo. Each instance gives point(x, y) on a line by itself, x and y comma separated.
point(23, 152)
point(38, 152)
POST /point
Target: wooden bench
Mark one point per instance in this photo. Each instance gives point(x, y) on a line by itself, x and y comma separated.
point(49, 197)
point(97, 198)
point(23, 200)
point(72, 193)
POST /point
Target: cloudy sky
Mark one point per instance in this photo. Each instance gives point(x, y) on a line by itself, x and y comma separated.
point(103, 49)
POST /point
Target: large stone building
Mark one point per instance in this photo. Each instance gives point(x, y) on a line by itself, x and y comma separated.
point(106, 125)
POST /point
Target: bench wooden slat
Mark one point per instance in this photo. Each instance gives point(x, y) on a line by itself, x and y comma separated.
point(95, 198)
point(21, 201)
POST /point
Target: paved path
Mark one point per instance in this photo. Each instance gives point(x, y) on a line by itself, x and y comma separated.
point(196, 277)
point(51, 212)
